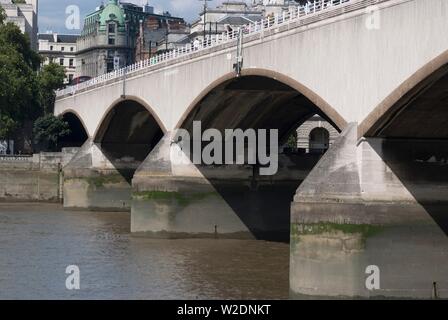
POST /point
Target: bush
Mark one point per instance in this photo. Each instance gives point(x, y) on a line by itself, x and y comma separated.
point(48, 131)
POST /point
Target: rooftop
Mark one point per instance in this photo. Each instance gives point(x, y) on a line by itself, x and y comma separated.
point(61, 38)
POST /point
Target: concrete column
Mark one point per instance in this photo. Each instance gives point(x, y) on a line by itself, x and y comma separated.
point(175, 200)
point(172, 199)
point(373, 205)
point(94, 180)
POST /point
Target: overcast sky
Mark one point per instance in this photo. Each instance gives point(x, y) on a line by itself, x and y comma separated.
point(52, 12)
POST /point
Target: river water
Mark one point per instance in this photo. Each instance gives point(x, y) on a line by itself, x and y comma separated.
point(39, 241)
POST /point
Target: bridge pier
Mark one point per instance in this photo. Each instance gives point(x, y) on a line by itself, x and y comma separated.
point(172, 200)
point(95, 180)
point(372, 202)
point(182, 200)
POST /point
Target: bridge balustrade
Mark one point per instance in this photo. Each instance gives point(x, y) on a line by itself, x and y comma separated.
point(208, 42)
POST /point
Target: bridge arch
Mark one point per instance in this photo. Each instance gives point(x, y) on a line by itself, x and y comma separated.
point(140, 101)
point(78, 130)
point(423, 82)
point(326, 110)
point(127, 133)
point(259, 99)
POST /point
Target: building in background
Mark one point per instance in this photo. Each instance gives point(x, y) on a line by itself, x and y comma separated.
point(109, 37)
point(24, 15)
point(159, 33)
point(316, 135)
point(273, 7)
point(60, 49)
point(228, 16)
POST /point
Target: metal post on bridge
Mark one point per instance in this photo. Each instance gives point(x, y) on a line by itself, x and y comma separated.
point(238, 66)
point(116, 68)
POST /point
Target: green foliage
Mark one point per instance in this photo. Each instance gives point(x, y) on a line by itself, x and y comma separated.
point(26, 94)
point(50, 78)
point(292, 141)
point(48, 130)
point(7, 126)
point(18, 81)
point(11, 37)
point(2, 15)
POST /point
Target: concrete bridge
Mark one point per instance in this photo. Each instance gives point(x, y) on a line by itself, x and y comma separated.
point(376, 70)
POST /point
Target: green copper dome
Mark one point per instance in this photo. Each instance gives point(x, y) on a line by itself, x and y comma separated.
point(112, 11)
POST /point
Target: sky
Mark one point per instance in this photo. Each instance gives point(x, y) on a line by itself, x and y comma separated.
point(52, 14)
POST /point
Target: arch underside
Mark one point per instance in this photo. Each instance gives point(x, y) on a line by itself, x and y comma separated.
point(78, 134)
point(262, 203)
point(254, 102)
point(414, 143)
point(421, 113)
point(128, 131)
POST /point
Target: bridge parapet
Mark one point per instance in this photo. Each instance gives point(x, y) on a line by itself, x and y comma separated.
point(296, 17)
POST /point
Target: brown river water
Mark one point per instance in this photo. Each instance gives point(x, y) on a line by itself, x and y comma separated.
point(38, 242)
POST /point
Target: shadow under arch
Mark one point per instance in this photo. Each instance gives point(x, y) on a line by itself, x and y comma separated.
point(258, 99)
point(96, 135)
point(127, 133)
point(409, 131)
point(324, 108)
point(78, 130)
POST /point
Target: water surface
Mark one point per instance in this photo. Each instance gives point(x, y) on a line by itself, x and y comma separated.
point(38, 242)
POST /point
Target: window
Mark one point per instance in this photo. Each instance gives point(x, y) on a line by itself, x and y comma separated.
point(62, 48)
point(111, 41)
point(51, 48)
point(61, 61)
point(72, 49)
point(70, 62)
point(70, 78)
point(110, 66)
point(111, 28)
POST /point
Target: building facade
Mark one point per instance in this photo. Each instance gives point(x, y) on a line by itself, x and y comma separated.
point(316, 135)
point(60, 49)
point(109, 37)
point(225, 17)
point(159, 33)
point(24, 15)
point(273, 7)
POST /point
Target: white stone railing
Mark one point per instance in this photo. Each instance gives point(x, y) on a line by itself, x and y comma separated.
point(275, 21)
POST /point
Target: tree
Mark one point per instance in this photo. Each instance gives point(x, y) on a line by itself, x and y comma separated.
point(18, 65)
point(50, 78)
point(292, 141)
point(7, 128)
point(48, 131)
point(11, 36)
point(25, 94)
point(2, 15)
point(18, 81)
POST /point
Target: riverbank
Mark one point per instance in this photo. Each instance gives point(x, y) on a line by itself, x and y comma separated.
point(37, 177)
